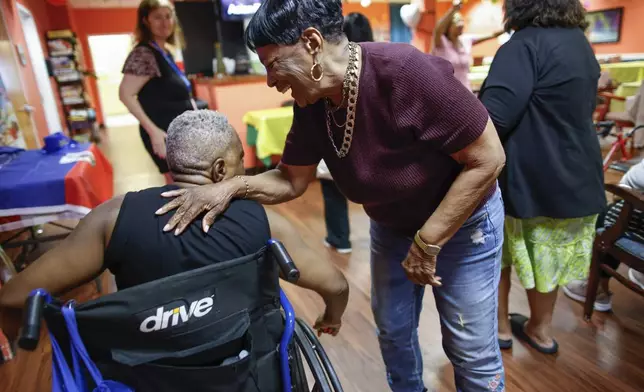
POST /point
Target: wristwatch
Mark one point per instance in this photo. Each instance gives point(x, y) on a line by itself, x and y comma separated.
point(429, 250)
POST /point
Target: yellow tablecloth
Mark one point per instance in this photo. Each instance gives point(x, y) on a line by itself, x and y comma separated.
point(624, 90)
point(272, 126)
point(625, 72)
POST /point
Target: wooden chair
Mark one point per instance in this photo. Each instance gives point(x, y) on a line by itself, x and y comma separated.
point(616, 242)
point(613, 124)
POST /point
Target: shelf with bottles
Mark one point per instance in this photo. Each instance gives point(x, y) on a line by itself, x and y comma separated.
point(72, 94)
point(61, 47)
point(66, 67)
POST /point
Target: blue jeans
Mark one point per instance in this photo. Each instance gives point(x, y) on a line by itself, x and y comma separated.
point(470, 266)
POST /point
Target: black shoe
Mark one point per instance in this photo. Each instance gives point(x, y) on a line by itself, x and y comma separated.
point(505, 344)
point(517, 322)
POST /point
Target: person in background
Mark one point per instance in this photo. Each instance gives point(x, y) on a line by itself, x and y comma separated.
point(450, 44)
point(153, 88)
point(336, 209)
point(633, 179)
point(540, 93)
point(426, 179)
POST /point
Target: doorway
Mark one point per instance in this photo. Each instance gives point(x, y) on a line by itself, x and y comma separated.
point(37, 57)
point(109, 53)
point(17, 128)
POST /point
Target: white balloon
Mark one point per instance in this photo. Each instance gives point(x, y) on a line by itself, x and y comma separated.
point(410, 14)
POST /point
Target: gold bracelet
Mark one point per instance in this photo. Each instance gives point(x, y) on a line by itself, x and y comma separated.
point(246, 183)
point(428, 249)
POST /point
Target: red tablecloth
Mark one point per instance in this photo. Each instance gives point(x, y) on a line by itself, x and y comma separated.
point(36, 188)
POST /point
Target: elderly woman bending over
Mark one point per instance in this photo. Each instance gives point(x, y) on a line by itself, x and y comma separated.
point(403, 137)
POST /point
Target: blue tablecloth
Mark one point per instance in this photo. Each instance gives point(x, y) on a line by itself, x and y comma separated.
point(34, 179)
point(34, 184)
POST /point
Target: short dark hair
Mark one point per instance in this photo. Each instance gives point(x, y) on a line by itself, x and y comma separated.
point(281, 22)
point(544, 13)
point(357, 28)
point(195, 136)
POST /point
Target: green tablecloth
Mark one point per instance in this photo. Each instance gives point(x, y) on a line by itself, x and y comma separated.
point(267, 130)
point(625, 72)
point(251, 140)
point(624, 90)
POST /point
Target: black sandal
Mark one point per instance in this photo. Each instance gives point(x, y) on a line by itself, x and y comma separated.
point(505, 344)
point(517, 322)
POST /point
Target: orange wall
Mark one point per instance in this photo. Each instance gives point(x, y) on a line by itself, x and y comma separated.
point(378, 15)
point(14, 28)
point(236, 100)
point(632, 39)
point(50, 17)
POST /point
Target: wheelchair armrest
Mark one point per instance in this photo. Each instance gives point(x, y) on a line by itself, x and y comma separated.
point(604, 128)
point(634, 198)
point(637, 128)
point(612, 96)
point(34, 306)
point(289, 271)
point(606, 123)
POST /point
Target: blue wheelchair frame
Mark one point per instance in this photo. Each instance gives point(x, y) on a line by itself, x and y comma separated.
point(287, 335)
point(325, 376)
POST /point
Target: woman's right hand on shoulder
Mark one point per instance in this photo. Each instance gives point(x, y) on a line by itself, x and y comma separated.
point(192, 202)
point(157, 138)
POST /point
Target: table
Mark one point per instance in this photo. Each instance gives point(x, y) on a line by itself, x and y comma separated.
point(624, 90)
point(36, 188)
point(267, 130)
point(626, 72)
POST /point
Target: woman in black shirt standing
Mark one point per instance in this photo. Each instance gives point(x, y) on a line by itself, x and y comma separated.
point(153, 88)
point(540, 94)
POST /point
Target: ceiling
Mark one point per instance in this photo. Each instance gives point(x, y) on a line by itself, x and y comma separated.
point(135, 3)
point(104, 3)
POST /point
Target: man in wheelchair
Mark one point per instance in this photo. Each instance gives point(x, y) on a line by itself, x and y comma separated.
point(125, 236)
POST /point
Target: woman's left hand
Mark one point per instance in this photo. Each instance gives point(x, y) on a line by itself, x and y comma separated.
point(421, 268)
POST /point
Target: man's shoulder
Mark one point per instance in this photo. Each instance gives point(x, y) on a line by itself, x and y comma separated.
point(244, 222)
point(246, 207)
point(150, 199)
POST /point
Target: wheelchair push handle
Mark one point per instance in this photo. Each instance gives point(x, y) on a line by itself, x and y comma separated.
point(289, 270)
point(30, 334)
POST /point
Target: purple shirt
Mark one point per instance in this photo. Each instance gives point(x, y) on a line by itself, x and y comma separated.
point(412, 113)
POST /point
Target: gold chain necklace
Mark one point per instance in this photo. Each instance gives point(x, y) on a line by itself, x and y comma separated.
point(350, 88)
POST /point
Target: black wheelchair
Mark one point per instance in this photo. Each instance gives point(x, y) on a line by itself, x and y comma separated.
point(163, 335)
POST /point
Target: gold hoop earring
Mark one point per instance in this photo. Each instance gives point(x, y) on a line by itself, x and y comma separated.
point(317, 65)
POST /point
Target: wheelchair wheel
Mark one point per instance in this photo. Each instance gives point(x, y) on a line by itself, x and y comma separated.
point(317, 346)
point(299, 383)
point(321, 381)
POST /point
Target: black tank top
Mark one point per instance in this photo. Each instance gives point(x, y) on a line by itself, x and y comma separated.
point(166, 97)
point(139, 251)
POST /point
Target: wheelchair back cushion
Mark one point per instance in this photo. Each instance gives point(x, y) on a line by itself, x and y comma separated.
point(175, 333)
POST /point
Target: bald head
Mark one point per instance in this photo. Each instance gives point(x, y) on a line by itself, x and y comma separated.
point(202, 142)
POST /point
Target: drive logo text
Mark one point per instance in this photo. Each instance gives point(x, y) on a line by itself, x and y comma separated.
point(163, 319)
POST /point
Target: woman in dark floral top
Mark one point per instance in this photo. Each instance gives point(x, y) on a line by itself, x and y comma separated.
point(153, 89)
